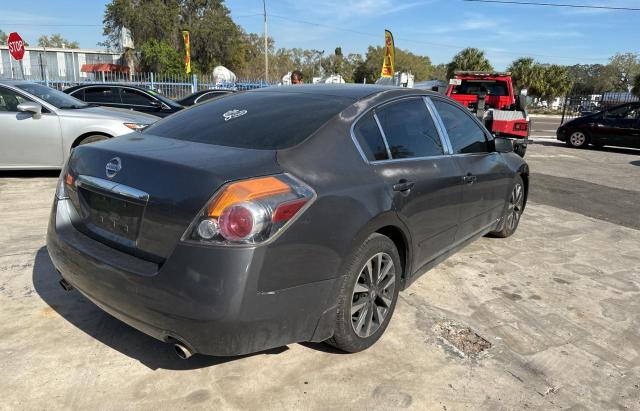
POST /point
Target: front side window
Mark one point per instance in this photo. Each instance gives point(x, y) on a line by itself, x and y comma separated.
point(465, 134)
point(134, 97)
point(9, 100)
point(409, 129)
point(370, 139)
point(99, 95)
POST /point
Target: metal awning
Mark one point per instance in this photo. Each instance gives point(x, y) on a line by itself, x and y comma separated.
point(104, 67)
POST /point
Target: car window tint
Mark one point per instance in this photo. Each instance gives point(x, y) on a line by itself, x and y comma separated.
point(134, 97)
point(409, 129)
point(9, 100)
point(261, 119)
point(99, 95)
point(466, 135)
point(370, 139)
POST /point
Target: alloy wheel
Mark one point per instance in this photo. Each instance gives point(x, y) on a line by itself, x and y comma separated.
point(578, 139)
point(373, 295)
point(516, 204)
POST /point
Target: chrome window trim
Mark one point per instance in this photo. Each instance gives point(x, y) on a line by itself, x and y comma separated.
point(442, 131)
point(474, 118)
point(112, 187)
point(384, 137)
point(446, 152)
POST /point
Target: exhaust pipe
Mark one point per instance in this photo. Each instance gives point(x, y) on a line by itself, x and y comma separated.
point(65, 285)
point(182, 351)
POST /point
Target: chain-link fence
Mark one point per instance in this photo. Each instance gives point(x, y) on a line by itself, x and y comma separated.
point(580, 105)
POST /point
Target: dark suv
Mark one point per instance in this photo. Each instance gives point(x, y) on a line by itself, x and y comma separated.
point(123, 96)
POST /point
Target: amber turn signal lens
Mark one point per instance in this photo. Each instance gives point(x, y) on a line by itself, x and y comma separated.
point(246, 191)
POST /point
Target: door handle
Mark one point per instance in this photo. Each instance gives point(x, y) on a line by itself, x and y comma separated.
point(469, 179)
point(403, 185)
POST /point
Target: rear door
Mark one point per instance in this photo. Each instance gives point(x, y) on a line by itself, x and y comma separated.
point(484, 175)
point(401, 141)
point(27, 140)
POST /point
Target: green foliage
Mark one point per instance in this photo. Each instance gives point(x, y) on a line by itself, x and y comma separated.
point(593, 78)
point(3, 37)
point(405, 61)
point(56, 40)
point(469, 59)
point(160, 57)
point(526, 74)
point(556, 81)
point(624, 68)
point(215, 38)
point(636, 85)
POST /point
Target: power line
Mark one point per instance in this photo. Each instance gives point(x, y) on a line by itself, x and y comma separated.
point(575, 6)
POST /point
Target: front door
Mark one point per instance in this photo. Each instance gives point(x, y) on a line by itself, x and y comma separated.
point(424, 182)
point(619, 126)
point(485, 176)
point(27, 140)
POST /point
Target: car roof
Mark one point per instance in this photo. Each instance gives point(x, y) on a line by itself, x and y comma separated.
point(16, 82)
point(353, 91)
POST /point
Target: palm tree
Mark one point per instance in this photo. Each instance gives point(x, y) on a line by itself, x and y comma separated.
point(470, 59)
point(527, 74)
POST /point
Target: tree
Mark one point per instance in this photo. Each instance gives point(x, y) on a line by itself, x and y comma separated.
point(636, 86)
point(593, 78)
point(526, 74)
point(624, 67)
point(3, 37)
point(469, 59)
point(215, 38)
point(56, 40)
point(556, 81)
point(405, 61)
point(439, 72)
point(159, 56)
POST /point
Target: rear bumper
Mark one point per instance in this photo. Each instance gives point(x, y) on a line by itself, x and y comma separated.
point(205, 297)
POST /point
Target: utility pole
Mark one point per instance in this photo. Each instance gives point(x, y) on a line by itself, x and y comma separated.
point(266, 46)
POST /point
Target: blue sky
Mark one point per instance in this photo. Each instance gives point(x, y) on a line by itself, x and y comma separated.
point(437, 28)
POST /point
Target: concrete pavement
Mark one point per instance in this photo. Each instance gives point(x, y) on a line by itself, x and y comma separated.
point(559, 303)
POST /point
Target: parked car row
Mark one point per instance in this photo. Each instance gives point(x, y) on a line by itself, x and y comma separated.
point(617, 126)
point(138, 98)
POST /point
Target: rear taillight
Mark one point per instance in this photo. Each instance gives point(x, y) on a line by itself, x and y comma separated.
point(250, 211)
point(521, 127)
point(64, 180)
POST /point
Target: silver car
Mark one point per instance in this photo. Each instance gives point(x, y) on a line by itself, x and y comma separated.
point(39, 126)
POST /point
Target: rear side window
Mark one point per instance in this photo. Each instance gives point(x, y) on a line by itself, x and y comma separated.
point(370, 139)
point(409, 129)
point(99, 95)
point(466, 135)
point(263, 120)
point(134, 97)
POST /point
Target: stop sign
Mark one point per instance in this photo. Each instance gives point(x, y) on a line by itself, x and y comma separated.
point(16, 46)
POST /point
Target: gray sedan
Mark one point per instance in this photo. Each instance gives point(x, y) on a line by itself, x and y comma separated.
point(40, 126)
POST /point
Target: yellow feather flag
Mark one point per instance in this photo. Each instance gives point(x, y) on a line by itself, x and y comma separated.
point(388, 66)
point(187, 48)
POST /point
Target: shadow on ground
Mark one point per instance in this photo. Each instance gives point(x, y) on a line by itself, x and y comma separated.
point(83, 314)
point(29, 173)
point(606, 149)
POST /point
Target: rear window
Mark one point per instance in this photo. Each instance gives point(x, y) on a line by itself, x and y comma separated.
point(257, 120)
point(476, 87)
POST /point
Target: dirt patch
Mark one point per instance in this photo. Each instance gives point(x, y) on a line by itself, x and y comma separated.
point(460, 339)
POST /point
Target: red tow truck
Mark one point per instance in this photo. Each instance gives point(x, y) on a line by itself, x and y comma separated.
point(490, 96)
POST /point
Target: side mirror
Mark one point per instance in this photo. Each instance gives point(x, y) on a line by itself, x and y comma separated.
point(30, 107)
point(503, 145)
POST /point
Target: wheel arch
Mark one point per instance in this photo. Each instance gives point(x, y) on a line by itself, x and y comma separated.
point(90, 133)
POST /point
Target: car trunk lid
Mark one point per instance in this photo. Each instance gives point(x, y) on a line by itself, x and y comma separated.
point(139, 193)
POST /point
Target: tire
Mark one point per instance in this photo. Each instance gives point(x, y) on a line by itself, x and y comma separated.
point(92, 139)
point(578, 139)
point(513, 209)
point(520, 149)
point(358, 326)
